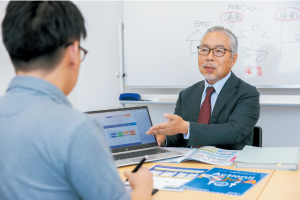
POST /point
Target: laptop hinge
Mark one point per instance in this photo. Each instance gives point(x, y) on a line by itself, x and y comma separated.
point(135, 150)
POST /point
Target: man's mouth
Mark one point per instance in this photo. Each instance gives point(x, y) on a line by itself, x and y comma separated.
point(209, 67)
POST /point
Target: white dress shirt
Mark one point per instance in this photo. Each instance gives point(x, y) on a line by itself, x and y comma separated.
point(218, 87)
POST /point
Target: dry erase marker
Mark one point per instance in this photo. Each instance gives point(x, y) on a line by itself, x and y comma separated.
point(139, 165)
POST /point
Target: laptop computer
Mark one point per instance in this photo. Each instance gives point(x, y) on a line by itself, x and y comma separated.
point(125, 132)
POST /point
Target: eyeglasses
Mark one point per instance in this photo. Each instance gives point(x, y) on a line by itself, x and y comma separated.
point(219, 52)
point(83, 52)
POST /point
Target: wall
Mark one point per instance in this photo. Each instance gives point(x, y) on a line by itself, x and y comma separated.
point(7, 71)
point(6, 68)
point(98, 87)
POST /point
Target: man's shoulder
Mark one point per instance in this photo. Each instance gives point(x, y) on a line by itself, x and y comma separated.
point(59, 120)
point(191, 88)
point(236, 84)
point(69, 115)
point(245, 87)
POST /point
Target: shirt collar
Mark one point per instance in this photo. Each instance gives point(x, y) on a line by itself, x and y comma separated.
point(39, 85)
point(218, 85)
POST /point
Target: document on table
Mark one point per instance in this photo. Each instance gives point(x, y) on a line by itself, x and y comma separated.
point(173, 178)
point(213, 155)
point(206, 154)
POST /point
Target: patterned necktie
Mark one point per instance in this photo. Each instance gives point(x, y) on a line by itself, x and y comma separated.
point(205, 110)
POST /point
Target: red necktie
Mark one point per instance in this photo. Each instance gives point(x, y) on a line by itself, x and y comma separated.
point(205, 110)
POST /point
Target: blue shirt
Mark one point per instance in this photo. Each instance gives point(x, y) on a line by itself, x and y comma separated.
point(218, 87)
point(49, 150)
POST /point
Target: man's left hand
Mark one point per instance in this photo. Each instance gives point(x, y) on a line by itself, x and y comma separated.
point(173, 126)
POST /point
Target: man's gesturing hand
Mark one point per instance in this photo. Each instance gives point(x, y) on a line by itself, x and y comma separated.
point(173, 126)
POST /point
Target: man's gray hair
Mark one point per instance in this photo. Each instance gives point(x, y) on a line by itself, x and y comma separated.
point(233, 41)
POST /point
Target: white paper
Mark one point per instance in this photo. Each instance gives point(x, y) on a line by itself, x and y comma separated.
point(213, 155)
point(173, 178)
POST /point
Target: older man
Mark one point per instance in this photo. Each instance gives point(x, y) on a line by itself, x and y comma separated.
point(220, 111)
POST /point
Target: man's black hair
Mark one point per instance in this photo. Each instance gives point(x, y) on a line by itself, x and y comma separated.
point(36, 30)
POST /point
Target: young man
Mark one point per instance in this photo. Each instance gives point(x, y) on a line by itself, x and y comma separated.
point(47, 149)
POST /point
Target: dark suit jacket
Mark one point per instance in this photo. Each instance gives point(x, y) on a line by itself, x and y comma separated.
point(234, 116)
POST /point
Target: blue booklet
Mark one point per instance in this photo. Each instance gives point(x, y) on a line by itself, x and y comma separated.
point(225, 181)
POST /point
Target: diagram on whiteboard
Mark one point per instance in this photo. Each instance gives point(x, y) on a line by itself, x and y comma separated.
point(255, 32)
point(268, 41)
point(194, 40)
point(297, 39)
point(257, 51)
point(287, 15)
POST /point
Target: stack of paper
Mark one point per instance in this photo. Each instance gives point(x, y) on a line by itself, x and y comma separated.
point(206, 154)
point(282, 158)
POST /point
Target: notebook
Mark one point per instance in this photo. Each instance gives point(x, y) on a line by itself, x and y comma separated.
point(279, 158)
point(125, 132)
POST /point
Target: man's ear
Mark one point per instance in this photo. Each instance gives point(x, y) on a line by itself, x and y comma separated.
point(233, 60)
point(74, 55)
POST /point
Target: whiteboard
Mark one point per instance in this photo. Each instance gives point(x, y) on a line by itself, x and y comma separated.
point(161, 40)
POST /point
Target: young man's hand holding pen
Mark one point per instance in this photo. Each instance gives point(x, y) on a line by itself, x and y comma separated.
point(141, 181)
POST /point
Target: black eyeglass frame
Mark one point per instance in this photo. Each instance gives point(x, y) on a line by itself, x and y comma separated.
point(199, 47)
point(84, 51)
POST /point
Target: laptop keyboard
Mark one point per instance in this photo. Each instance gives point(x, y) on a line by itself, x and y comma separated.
point(139, 153)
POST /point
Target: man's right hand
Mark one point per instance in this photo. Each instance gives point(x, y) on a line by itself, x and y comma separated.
point(161, 140)
point(141, 183)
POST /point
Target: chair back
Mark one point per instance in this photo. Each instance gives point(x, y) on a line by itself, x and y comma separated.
point(257, 137)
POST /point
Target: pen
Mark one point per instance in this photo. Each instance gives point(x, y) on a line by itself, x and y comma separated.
point(139, 165)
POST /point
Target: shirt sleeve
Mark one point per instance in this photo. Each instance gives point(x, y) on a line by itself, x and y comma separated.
point(187, 136)
point(90, 166)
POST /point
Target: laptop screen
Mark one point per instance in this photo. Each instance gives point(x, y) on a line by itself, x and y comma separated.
point(125, 126)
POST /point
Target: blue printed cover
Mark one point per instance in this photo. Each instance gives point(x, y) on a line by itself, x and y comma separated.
point(225, 181)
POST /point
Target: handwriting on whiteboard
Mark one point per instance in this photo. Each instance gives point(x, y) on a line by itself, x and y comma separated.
point(200, 23)
point(255, 48)
point(231, 17)
point(245, 7)
point(287, 14)
point(259, 71)
point(248, 70)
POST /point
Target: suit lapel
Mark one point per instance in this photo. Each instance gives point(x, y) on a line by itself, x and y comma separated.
point(196, 100)
point(227, 91)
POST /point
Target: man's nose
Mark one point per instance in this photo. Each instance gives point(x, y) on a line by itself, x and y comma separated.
point(210, 55)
